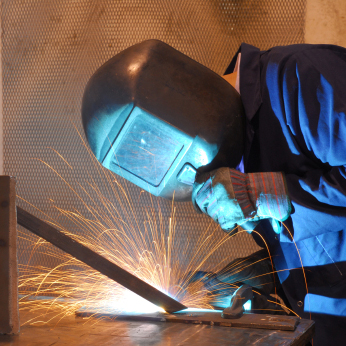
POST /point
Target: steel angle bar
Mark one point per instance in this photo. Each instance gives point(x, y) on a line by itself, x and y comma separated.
point(96, 261)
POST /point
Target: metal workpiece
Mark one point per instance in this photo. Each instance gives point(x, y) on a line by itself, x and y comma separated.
point(96, 261)
point(200, 316)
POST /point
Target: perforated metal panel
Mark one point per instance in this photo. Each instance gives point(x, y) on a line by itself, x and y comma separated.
point(50, 49)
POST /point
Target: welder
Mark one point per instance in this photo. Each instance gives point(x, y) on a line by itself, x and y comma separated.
point(263, 148)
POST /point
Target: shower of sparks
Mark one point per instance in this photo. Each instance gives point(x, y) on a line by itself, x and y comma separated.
point(146, 252)
point(144, 246)
point(110, 226)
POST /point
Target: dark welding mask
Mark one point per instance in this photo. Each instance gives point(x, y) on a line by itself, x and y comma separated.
point(154, 116)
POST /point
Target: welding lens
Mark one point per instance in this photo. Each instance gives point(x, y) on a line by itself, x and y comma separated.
point(147, 149)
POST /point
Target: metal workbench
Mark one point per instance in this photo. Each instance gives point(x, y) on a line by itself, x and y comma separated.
point(74, 331)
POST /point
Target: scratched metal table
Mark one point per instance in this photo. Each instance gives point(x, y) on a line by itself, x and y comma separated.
point(73, 331)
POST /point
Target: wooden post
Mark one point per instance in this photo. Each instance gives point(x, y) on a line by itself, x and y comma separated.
point(9, 316)
point(1, 103)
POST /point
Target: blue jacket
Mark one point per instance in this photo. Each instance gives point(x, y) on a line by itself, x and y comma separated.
point(295, 104)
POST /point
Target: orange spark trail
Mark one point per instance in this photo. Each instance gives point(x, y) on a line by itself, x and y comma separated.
point(109, 225)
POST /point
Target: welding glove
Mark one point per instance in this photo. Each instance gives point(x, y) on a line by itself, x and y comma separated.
point(233, 198)
point(255, 270)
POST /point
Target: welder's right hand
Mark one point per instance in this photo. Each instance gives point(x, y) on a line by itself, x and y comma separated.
point(230, 197)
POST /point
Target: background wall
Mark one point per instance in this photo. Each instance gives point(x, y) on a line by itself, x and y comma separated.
point(50, 49)
point(326, 22)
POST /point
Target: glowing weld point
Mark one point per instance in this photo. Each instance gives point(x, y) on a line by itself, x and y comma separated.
point(197, 310)
point(247, 305)
point(131, 302)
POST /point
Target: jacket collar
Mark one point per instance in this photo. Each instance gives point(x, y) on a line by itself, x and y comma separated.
point(250, 89)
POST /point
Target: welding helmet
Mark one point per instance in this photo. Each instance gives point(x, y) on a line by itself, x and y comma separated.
point(154, 116)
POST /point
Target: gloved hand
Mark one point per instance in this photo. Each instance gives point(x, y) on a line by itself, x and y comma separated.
point(230, 197)
point(254, 270)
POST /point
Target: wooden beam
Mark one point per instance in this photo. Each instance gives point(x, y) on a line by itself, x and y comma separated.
point(96, 261)
point(9, 316)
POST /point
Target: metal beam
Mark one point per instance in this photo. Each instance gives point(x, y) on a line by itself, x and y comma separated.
point(211, 318)
point(96, 261)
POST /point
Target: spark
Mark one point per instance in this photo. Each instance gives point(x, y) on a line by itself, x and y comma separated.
point(109, 225)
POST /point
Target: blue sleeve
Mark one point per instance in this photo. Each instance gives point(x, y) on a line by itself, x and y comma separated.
point(310, 102)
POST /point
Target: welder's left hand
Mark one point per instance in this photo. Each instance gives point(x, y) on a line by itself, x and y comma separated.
point(230, 197)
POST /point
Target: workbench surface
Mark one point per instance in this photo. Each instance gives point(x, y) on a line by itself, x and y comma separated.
point(74, 331)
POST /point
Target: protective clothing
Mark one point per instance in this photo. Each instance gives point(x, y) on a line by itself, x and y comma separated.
point(230, 197)
point(154, 116)
point(295, 107)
